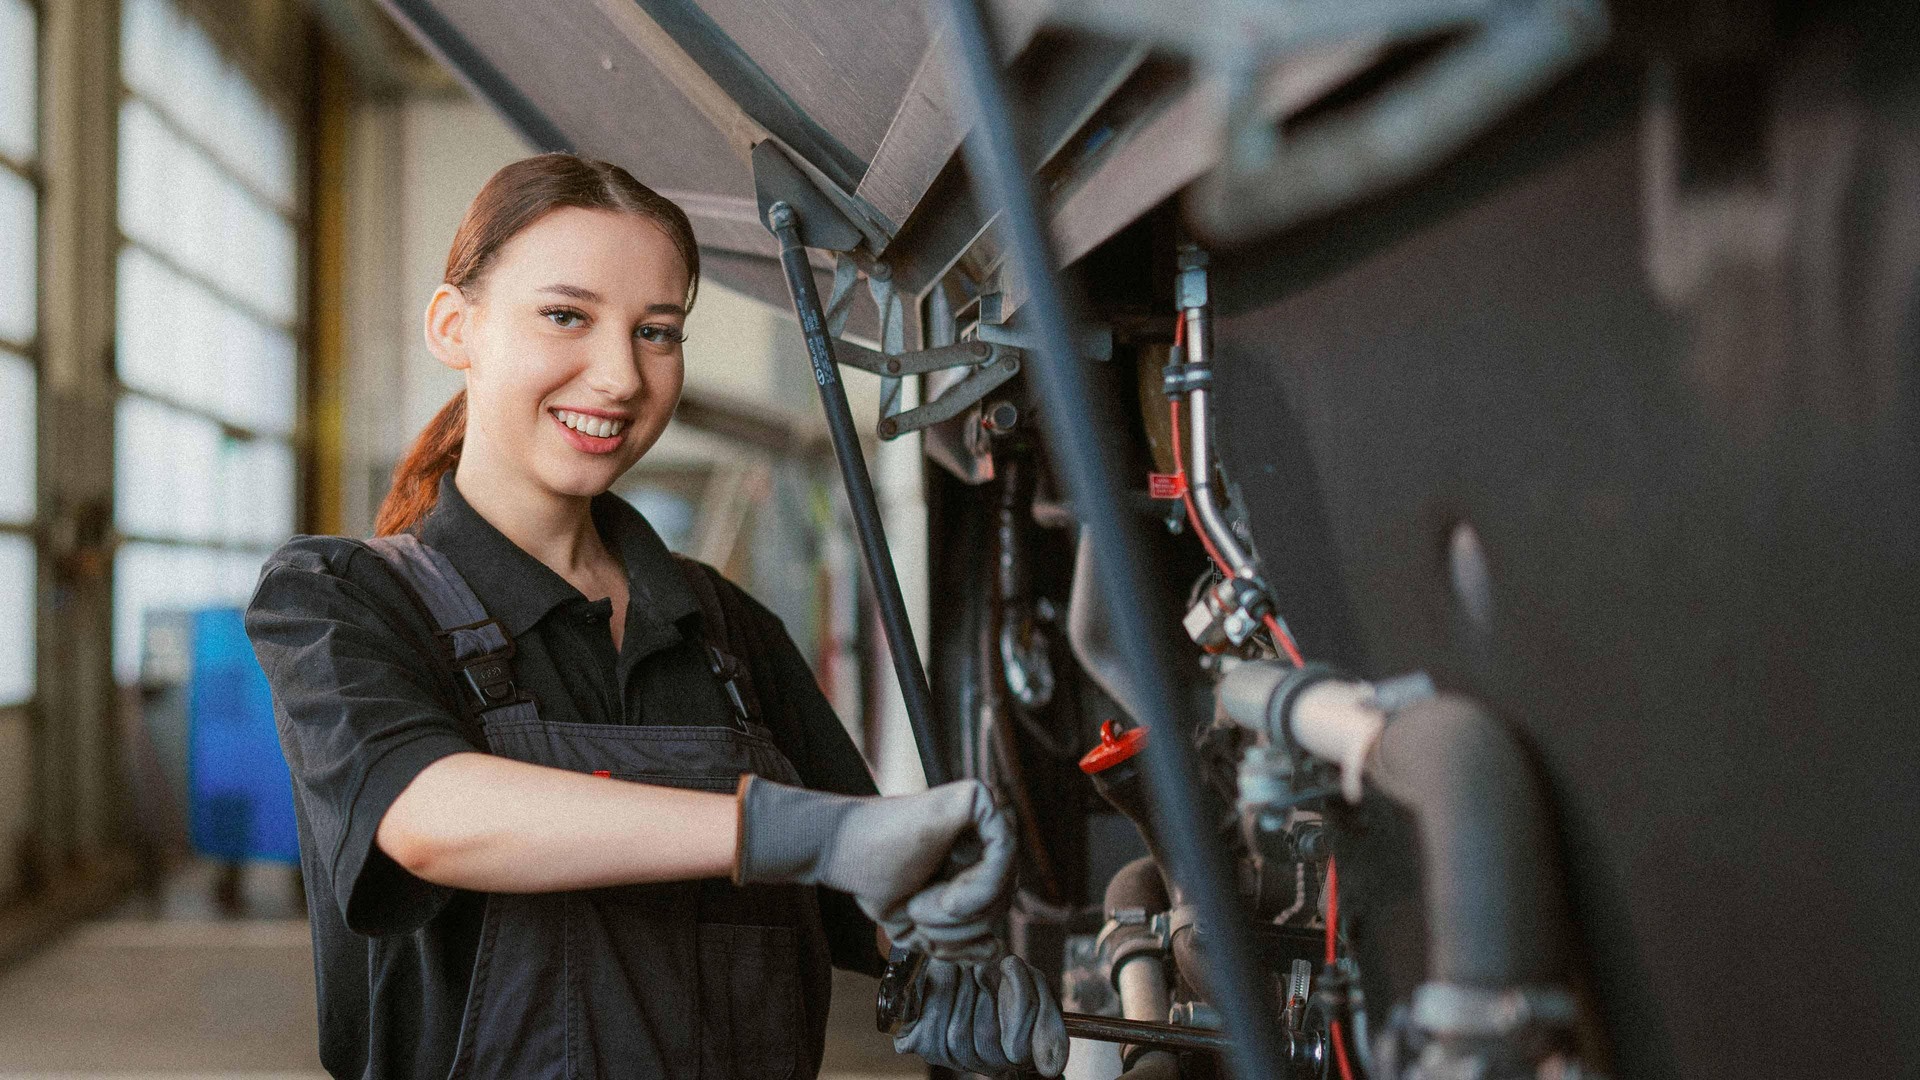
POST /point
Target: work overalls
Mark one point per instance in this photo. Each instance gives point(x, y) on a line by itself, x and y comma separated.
point(681, 979)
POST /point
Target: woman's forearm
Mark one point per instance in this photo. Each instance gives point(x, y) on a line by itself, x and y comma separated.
point(493, 824)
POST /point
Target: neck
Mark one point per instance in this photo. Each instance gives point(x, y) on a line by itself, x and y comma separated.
point(555, 529)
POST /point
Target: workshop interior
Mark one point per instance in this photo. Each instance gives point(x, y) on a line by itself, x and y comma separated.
point(1414, 505)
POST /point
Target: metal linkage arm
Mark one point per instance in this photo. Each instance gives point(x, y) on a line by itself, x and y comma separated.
point(918, 362)
point(992, 364)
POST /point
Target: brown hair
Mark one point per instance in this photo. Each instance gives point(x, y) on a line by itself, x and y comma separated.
point(512, 199)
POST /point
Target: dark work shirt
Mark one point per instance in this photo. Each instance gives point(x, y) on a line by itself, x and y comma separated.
point(362, 709)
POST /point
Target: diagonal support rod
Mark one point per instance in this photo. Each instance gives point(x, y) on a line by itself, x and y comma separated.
point(785, 225)
point(1003, 183)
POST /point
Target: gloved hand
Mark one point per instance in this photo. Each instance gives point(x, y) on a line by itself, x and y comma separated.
point(933, 869)
point(984, 1018)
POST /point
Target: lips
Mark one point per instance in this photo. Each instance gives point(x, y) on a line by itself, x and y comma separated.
point(585, 432)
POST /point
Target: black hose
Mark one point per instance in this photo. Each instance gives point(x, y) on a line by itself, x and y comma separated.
point(1153, 1065)
point(1137, 886)
point(1492, 890)
point(859, 485)
point(999, 166)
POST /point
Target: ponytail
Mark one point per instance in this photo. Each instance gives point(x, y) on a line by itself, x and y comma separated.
point(416, 480)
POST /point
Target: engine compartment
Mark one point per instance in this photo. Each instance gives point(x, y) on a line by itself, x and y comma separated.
point(1422, 532)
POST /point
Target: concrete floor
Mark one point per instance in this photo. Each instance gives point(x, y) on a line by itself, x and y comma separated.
point(168, 987)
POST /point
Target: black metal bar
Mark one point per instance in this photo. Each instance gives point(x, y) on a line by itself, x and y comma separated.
point(1141, 1033)
point(853, 470)
point(438, 36)
point(996, 161)
point(760, 97)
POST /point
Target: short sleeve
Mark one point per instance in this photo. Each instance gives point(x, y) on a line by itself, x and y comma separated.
point(360, 711)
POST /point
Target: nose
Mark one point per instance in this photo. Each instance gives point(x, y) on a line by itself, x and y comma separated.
point(614, 369)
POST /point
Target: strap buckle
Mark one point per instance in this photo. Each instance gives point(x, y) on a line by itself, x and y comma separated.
point(488, 677)
point(727, 669)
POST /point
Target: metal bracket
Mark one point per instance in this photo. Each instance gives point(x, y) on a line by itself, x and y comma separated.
point(918, 362)
point(959, 397)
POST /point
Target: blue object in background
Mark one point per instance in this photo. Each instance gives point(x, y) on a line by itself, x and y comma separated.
point(239, 794)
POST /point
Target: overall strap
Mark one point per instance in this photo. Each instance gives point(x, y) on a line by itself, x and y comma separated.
point(716, 636)
point(476, 646)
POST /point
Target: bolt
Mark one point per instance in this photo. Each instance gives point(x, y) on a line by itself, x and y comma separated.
point(893, 367)
point(980, 349)
point(1000, 416)
point(1309, 841)
point(889, 428)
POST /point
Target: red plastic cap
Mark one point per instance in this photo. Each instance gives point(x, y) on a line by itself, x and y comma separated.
point(1113, 749)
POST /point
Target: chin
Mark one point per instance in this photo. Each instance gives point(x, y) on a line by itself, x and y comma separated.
point(583, 483)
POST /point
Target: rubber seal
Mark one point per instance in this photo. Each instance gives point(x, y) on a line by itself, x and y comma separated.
point(1281, 703)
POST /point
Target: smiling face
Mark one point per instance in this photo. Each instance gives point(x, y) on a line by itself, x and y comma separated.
point(571, 347)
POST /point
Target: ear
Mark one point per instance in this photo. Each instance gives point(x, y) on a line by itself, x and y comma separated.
point(449, 319)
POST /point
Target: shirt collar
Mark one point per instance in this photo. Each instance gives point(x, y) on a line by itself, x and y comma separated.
point(519, 590)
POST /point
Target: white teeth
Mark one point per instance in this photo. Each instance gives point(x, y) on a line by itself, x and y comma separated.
point(590, 425)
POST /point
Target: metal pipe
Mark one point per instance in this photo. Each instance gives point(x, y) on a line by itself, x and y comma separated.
point(1335, 719)
point(1199, 347)
point(1137, 893)
point(1339, 722)
point(1141, 981)
point(998, 165)
point(860, 497)
point(1141, 1033)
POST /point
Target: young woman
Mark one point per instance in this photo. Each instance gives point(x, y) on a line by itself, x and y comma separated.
point(568, 805)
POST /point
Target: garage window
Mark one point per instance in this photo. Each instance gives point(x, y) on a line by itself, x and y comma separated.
point(207, 325)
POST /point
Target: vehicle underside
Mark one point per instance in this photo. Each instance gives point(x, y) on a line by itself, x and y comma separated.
point(1423, 495)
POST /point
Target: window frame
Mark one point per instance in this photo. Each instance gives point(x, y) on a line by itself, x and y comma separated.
point(297, 329)
point(32, 171)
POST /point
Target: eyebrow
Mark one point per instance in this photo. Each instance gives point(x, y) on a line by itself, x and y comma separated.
point(590, 297)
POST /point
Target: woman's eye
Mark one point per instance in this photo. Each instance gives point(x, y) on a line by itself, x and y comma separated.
point(565, 318)
point(661, 335)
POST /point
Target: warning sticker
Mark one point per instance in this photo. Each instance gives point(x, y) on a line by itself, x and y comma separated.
point(1166, 485)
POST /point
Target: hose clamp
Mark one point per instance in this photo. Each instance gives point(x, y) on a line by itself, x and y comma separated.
point(1178, 380)
point(1292, 685)
point(1129, 933)
point(1453, 1010)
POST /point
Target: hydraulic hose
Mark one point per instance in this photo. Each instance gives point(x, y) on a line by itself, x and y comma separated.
point(1197, 323)
point(1499, 952)
point(1495, 903)
point(999, 166)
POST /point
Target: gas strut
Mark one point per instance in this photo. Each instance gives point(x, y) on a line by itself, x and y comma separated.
point(785, 223)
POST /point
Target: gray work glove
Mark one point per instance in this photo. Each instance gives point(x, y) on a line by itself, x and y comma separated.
point(933, 869)
point(985, 1018)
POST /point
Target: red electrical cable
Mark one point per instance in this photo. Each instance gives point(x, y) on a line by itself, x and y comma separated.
point(1333, 930)
point(1193, 515)
point(1280, 636)
point(1285, 641)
